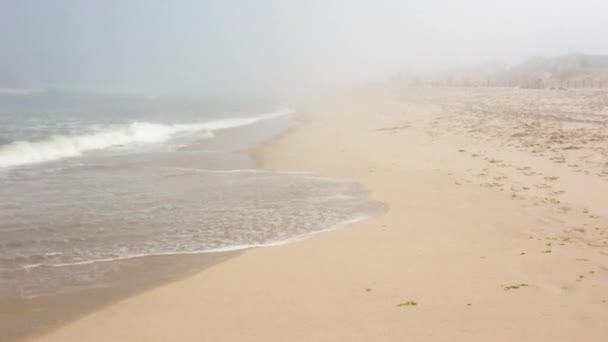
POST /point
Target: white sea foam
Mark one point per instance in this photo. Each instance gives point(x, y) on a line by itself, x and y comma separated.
point(204, 251)
point(20, 153)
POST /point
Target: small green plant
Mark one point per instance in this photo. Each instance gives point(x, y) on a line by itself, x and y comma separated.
point(367, 289)
point(408, 303)
point(547, 251)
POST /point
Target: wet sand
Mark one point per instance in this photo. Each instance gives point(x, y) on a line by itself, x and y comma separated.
point(497, 230)
point(31, 317)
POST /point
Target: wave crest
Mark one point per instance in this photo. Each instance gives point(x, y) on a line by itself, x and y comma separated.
point(19, 153)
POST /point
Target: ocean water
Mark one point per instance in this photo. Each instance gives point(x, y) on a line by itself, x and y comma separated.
point(98, 193)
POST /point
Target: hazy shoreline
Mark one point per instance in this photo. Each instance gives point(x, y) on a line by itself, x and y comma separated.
point(27, 318)
point(474, 240)
point(270, 171)
point(134, 274)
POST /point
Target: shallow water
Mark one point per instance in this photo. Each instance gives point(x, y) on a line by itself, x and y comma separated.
point(92, 211)
point(90, 217)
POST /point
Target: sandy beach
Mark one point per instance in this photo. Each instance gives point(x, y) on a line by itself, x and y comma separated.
point(496, 229)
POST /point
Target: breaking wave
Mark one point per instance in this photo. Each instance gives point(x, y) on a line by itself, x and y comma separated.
point(19, 153)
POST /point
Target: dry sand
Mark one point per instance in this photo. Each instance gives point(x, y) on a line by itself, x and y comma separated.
point(497, 229)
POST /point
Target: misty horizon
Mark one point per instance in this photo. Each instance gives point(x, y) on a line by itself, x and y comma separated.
point(312, 170)
point(276, 47)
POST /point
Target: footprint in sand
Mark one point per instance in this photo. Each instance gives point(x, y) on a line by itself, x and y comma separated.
point(393, 129)
point(492, 185)
point(552, 178)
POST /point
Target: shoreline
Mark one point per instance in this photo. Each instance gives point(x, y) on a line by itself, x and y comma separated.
point(100, 299)
point(32, 318)
point(460, 254)
point(74, 306)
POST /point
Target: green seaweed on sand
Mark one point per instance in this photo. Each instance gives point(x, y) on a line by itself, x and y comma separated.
point(515, 287)
point(408, 303)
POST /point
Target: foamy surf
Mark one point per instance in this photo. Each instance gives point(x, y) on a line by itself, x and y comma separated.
point(225, 249)
point(159, 205)
point(20, 153)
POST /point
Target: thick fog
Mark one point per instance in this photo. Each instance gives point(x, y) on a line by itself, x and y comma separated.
point(276, 46)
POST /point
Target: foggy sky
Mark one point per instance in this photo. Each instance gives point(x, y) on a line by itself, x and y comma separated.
point(274, 46)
